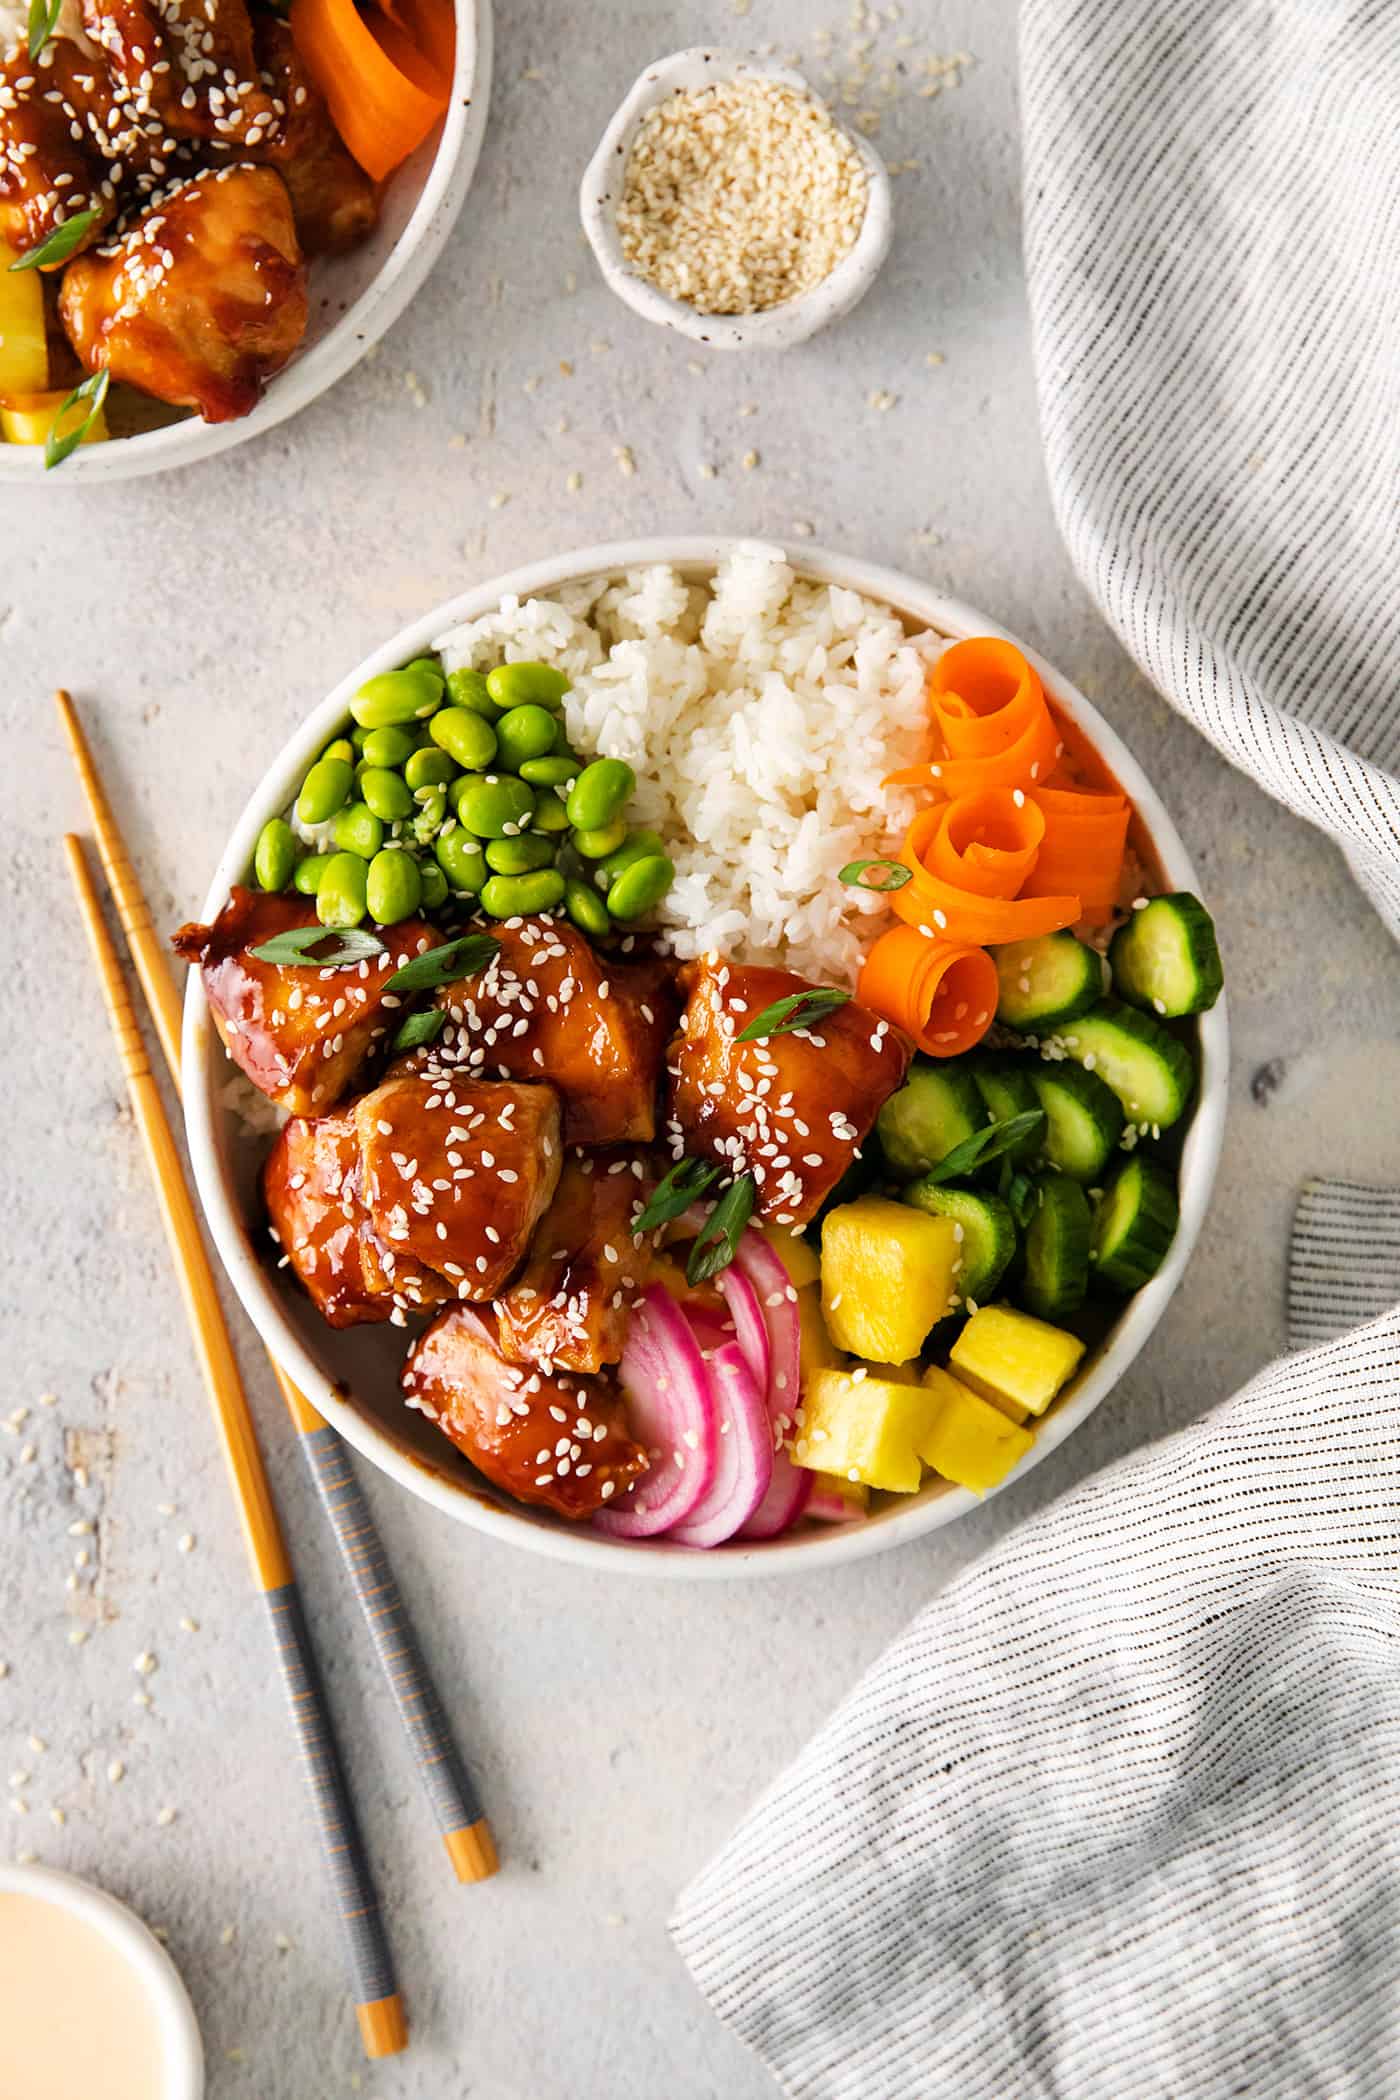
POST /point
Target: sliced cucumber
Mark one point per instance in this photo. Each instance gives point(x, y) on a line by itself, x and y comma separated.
point(937, 1107)
point(1005, 1085)
point(1083, 1118)
point(1134, 1224)
point(1057, 1239)
point(1148, 1069)
point(1046, 982)
point(988, 1233)
point(1165, 959)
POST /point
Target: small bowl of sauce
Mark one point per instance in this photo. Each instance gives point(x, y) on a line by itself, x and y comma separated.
point(90, 2002)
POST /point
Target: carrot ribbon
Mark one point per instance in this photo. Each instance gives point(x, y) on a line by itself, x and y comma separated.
point(385, 90)
point(944, 909)
point(1082, 850)
point(939, 992)
point(990, 711)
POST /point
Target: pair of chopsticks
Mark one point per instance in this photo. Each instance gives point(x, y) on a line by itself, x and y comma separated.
point(464, 1829)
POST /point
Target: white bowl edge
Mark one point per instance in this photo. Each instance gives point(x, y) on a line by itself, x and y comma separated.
point(202, 1052)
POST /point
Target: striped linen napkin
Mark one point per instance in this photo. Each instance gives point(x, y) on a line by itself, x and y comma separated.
point(1118, 1817)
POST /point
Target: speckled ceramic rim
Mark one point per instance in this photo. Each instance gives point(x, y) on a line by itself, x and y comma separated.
point(403, 270)
point(205, 1064)
point(779, 326)
point(143, 1955)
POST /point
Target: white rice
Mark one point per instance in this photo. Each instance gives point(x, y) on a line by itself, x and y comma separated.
point(761, 715)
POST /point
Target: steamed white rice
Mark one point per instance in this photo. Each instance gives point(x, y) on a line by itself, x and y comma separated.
point(761, 715)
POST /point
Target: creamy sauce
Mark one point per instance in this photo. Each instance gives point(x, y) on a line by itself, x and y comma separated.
point(76, 2021)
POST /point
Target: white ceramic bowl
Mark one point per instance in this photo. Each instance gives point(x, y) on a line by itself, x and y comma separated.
point(777, 326)
point(144, 1956)
point(354, 298)
point(351, 1375)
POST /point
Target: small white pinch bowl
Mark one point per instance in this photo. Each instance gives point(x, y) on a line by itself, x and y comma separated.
point(777, 327)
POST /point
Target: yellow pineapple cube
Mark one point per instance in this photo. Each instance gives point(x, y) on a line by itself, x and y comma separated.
point(895, 1374)
point(819, 1352)
point(26, 419)
point(865, 1429)
point(854, 1493)
point(797, 1256)
point(888, 1276)
point(1007, 1355)
point(970, 1441)
point(24, 349)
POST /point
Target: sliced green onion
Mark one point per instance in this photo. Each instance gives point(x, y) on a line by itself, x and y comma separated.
point(719, 1236)
point(876, 874)
point(419, 1030)
point(60, 243)
point(343, 945)
point(675, 1193)
point(461, 958)
point(59, 442)
point(798, 1010)
point(986, 1144)
point(43, 20)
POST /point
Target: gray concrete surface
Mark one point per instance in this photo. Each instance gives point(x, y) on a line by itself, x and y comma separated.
point(618, 1731)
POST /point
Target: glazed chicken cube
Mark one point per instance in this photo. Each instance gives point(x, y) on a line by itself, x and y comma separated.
point(334, 203)
point(299, 1032)
point(571, 1302)
point(199, 301)
point(458, 1176)
point(549, 1006)
point(185, 68)
point(791, 1110)
point(46, 174)
point(311, 1186)
point(554, 1439)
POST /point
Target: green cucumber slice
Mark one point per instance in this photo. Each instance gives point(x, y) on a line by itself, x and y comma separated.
point(1056, 1274)
point(1005, 1086)
point(1046, 982)
point(937, 1107)
point(988, 1232)
point(1083, 1119)
point(1134, 1224)
point(1148, 1069)
point(1165, 958)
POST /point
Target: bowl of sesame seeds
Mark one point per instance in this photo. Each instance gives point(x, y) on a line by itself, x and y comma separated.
point(727, 202)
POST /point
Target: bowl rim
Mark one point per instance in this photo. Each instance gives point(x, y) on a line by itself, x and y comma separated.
point(203, 1053)
point(365, 320)
point(777, 326)
point(143, 1954)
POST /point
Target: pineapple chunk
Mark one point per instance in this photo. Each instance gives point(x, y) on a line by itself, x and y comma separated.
point(887, 1276)
point(818, 1351)
point(854, 1495)
point(795, 1254)
point(26, 419)
point(866, 1429)
point(895, 1374)
point(1006, 1355)
point(24, 349)
point(971, 1442)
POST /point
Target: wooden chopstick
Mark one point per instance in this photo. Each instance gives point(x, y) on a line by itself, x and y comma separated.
point(465, 1832)
point(383, 2027)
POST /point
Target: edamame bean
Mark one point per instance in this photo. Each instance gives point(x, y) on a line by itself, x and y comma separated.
point(275, 855)
point(429, 768)
point(588, 912)
point(519, 856)
point(341, 748)
point(356, 829)
point(393, 886)
point(387, 794)
point(467, 737)
point(434, 885)
point(551, 817)
point(596, 845)
point(495, 805)
point(357, 737)
point(395, 697)
point(389, 747)
point(511, 685)
point(467, 688)
point(340, 894)
point(641, 886)
point(307, 878)
point(598, 794)
point(324, 789)
point(461, 860)
point(638, 845)
point(524, 733)
point(430, 664)
point(432, 814)
point(552, 770)
point(515, 896)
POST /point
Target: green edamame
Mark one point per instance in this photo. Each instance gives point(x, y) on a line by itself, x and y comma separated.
point(430, 664)
point(467, 737)
point(519, 856)
point(356, 829)
point(390, 746)
point(324, 789)
point(512, 685)
point(275, 855)
point(308, 874)
point(340, 748)
point(638, 845)
point(434, 885)
point(596, 845)
point(551, 817)
point(393, 886)
point(598, 794)
point(429, 768)
point(396, 697)
point(551, 771)
point(516, 896)
point(495, 805)
point(357, 738)
point(387, 794)
point(467, 688)
point(461, 860)
point(524, 733)
point(340, 895)
point(432, 814)
point(642, 886)
point(588, 912)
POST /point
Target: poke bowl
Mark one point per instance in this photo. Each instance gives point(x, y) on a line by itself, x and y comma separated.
point(221, 278)
point(713, 1310)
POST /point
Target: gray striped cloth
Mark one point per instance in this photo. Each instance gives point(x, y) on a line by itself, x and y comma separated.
point(1118, 1818)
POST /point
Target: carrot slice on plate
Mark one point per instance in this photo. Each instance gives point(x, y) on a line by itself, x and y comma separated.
point(940, 910)
point(992, 719)
point(941, 993)
point(987, 842)
point(381, 112)
point(1085, 837)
